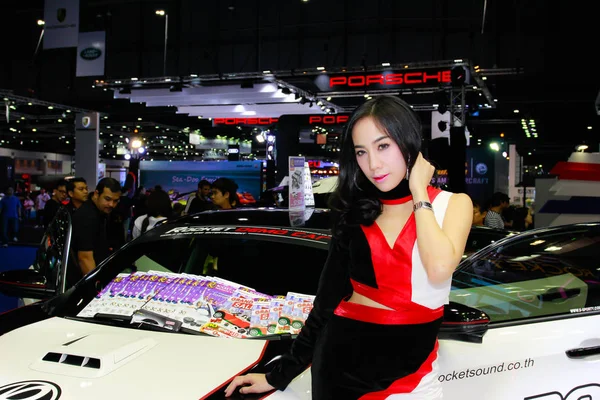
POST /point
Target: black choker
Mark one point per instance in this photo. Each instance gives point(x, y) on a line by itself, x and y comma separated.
point(399, 192)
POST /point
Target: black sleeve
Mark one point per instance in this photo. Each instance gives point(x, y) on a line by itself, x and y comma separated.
point(334, 285)
point(85, 227)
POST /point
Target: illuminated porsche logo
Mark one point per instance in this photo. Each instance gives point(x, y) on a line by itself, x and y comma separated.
point(30, 390)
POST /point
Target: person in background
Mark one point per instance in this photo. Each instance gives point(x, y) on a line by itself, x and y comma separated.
point(55, 203)
point(224, 194)
point(200, 200)
point(493, 218)
point(27, 207)
point(478, 214)
point(40, 204)
point(10, 213)
point(90, 242)
point(77, 189)
point(159, 209)
point(178, 209)
point(140, 199)
point(523, 219)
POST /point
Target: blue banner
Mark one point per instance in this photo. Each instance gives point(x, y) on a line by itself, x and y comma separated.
point(184, 176)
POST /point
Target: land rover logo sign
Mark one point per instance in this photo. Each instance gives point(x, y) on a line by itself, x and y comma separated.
point(61, 14)
point(91, 53)
point(30, 390)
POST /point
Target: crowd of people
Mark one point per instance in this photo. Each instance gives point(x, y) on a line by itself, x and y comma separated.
point(105, 218)
point(498, 213)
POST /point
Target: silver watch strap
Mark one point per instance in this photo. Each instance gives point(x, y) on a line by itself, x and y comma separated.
point(422, 204)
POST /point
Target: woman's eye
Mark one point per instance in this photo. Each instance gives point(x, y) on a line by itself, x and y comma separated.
point(383, 146)
point(360, 153)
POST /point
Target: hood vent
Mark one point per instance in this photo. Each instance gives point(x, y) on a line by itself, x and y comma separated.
point(69, 359)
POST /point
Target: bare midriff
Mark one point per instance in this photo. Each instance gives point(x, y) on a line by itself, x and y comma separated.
point(365, 301)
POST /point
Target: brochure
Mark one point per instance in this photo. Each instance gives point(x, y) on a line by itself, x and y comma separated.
point(294, 313)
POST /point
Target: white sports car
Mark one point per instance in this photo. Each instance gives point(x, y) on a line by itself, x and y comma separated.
point(523, 321)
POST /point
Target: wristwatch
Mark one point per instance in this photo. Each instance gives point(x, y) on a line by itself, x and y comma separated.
point(422, 204)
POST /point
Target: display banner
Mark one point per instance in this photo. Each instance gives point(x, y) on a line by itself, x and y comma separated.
point(479, 175)
point(91, 53)
point(296, 183)
point(440, 127)
point(309, 197)
point(61, 27)
point(184, 176)
point(401, 79)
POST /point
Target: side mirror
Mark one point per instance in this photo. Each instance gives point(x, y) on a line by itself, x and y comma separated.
point(26, 283)
point(463, 323)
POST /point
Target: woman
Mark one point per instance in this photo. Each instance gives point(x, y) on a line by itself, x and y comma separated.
point(159, 208)
point(373, 330)
point(224, 194)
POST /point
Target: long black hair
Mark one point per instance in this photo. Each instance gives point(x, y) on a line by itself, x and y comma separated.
point(356, 201)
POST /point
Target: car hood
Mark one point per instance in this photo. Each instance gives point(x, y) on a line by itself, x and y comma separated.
point(70, 359)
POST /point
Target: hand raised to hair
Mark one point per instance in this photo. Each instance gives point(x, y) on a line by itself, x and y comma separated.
point(420, 175)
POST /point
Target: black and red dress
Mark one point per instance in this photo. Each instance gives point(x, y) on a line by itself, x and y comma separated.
point(361, 352)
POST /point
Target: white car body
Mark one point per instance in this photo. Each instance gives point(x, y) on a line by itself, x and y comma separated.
point(514, 362)
point(539, 339)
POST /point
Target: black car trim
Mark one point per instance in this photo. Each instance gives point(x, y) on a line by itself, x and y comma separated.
point(535, 320)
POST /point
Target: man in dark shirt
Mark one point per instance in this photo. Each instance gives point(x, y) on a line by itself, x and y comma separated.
point(200, 200)
point(90, 244)
point(55, 203)
point(77, 189)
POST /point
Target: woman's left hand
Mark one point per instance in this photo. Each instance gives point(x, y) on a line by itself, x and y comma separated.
point(420, 175)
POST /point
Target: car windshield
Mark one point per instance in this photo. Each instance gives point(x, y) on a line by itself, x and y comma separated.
point(235, 284)
point(531, 276)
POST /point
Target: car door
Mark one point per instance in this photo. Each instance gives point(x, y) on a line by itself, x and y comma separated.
point(542, 294)
point(47, 275)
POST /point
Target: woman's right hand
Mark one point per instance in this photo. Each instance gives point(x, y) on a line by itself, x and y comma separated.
point(251, 383)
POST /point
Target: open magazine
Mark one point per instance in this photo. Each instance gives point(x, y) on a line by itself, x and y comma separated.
point(210, 305)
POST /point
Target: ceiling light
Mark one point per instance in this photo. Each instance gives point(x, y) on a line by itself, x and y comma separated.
point(385, 64)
